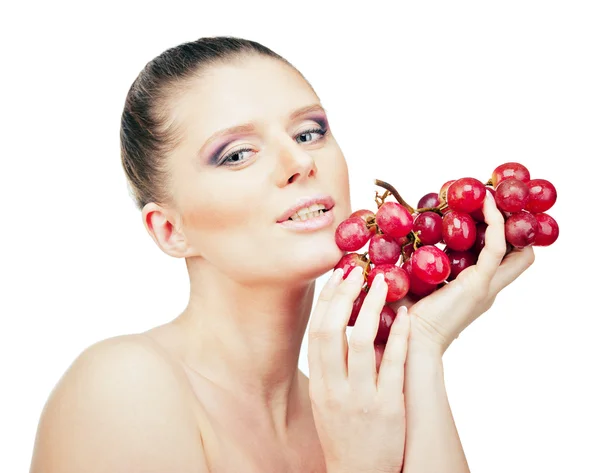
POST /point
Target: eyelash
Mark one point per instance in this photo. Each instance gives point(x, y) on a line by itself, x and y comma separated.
point(320, 130)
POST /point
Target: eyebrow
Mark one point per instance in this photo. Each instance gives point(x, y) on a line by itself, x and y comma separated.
point(250, 127)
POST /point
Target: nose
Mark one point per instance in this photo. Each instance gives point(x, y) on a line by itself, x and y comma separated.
point(294, 163)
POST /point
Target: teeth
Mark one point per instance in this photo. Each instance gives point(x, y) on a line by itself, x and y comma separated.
point(312, 208)
point(308, 212)
point(307, 215)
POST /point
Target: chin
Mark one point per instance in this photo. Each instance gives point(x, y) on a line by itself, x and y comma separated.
point(315, 260)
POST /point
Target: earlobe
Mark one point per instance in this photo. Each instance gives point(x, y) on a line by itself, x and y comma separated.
point(164, 229)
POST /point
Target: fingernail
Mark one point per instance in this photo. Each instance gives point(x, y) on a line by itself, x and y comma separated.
point(379, 280)
point(337, 274)
point(402, 310)
point(356, 274)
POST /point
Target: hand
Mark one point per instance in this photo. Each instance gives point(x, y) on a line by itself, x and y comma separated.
point(359, 413)
point(440, 317)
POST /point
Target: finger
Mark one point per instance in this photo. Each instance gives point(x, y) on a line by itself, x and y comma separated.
point(512, 267)
point(495, 243)
point(325, 298)
point(391, 371)
point(361, 348)
point(333, 345)
point(315, 335)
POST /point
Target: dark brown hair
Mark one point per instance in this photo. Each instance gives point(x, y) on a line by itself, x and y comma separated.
point(147, 134)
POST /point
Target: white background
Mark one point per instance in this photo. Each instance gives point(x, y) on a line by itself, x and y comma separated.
point(416, 94)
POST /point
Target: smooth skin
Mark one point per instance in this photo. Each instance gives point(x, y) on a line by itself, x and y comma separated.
point(349, 397)
point(218, 388)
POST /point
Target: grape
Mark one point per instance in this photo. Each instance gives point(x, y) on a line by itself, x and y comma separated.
point(477, 215)
point(542, 195)
point(402, 240)
point(459, 261)
point(520, 229)
point(407, 249)
point(418, 287)
point(480, 229)
point(383, 249)
point(430, 264)
point(352, 234)
point(547, 231)
point(429, 201)
point(444, 190)
point(356, 306)
point(349, 261)
point(366, 215)
point(428, 227)
point(512, 195)
point(458, 230)
point(394, 219)
point(465, 195)
point(386, 319)
point(506, 170)
point(396, 279)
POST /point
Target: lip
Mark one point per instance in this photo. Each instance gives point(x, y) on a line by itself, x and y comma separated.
point(324, 199)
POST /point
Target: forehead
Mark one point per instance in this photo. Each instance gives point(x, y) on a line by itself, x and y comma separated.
point(253, 89)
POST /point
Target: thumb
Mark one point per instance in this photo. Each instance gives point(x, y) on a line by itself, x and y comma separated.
point(513, 265)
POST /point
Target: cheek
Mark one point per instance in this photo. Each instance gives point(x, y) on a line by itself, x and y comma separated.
point(341, 184)
point(342, 177)
point(225, 223)
point(220, 232)
point(216, 214)
point(232, 234)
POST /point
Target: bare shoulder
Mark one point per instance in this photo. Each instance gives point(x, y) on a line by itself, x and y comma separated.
point(121, 406)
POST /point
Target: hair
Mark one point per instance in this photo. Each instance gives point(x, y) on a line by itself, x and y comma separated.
point(147, 133)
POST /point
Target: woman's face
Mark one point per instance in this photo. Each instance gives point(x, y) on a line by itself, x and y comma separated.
point(232, 189)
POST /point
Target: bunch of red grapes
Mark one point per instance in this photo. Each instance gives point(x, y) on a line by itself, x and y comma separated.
point(420, 250)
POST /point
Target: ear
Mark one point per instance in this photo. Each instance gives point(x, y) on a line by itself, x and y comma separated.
point(163, 225)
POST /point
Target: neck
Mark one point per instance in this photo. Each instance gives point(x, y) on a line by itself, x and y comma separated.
point(246, 338)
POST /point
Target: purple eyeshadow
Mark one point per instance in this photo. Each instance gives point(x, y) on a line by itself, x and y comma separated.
point(215, 155)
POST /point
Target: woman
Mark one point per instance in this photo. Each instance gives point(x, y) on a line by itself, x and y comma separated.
point(218, 388)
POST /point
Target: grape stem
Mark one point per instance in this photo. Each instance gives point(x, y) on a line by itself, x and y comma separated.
point(437, 209)
point(365, 258)
point(417, 241)
point(391, 189)
point(372, 223)
point(380, 199)
point(403, 253)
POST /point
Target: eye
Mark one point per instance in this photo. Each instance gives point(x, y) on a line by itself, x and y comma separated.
point(235, 157)
point(319, 131)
